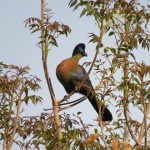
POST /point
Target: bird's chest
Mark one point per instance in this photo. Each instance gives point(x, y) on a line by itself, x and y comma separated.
point(65, 69)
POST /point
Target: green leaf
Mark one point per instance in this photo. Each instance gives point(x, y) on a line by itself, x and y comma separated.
point(76, 6)
point(41, 42)
point(113, 51)
point(53, 43)
point(135, 79)
point(89, 9)
point(35, 30)
point(83, 13)
point(78, 113)
point(140, 40)
point(148, 96)
point(72, 3)
point(111, 33)
point(96, 130)
point(52, 40)
point(101, 45)
point(106, 49)
point(133, 56)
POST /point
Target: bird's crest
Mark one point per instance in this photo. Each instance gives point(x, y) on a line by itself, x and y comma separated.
point(80, 48)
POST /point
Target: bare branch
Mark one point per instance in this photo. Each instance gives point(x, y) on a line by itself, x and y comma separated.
point(79, 101)
point(73, 101)
point(143, 128)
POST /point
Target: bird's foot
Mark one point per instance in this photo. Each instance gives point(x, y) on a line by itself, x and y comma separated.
point(66, 98)
point(77, 88)
point(103, 122)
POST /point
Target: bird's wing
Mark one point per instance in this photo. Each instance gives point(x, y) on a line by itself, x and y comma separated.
point(79, 75)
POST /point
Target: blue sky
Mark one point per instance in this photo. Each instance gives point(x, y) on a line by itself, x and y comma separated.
point(18, 47)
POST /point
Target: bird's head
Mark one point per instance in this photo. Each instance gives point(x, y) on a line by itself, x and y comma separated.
point(79, 49)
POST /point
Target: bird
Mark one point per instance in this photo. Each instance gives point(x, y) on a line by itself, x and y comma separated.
point(70, 74)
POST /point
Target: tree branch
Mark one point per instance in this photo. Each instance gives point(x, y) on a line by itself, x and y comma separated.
point(125, 105)
point(48, 79)
point(103, 137)
point(73, 101)
point(79, 101)
point(19, 101)
point(129, 129)
point(143, 128)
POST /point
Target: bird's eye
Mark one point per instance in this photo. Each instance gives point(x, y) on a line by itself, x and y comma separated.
point(81, 50)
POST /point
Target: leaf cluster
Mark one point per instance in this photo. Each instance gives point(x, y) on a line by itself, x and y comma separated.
point(121, 78)
point(15, 88)
point(43, 133)
point(50, 30)
point(127, 21)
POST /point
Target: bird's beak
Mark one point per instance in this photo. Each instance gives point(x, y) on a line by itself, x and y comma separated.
point(84, 54)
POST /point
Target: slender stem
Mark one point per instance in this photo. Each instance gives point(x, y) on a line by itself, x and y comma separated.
point(125, 103)
point(16, 121)
point(128, 129)
point(103, 137)
point(141, 135)
point(146, 111)
point(145, 119)
point(75, 103)
point(4, 142)
point(66, 97)
point(47, 76)
point(55, 103)
point(125, 100)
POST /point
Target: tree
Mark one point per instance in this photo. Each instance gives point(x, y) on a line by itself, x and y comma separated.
point(122, 82)
point(127, 22)
point(15, 85)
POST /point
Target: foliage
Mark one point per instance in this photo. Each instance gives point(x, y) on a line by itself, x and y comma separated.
point(50, 30)
point(15, 86)
point(43, 133)
point(127, 22)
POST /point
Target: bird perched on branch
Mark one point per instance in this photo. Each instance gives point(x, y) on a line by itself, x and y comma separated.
point(71, 75)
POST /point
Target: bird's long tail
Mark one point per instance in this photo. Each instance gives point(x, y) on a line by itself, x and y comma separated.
point(102, 111)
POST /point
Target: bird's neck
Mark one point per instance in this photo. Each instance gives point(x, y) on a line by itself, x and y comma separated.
point(77, 57)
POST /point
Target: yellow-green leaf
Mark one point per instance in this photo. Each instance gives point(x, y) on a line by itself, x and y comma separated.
point(127, 146)
point(115, 144)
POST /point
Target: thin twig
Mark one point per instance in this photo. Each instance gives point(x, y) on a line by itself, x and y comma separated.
point(144, 106)
point(125, 103)
point(103, 137)
point(129, 129)
point(102, 128)
point(66, 97)
point(73, 101)
point(141, 134)
point(84, 98)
